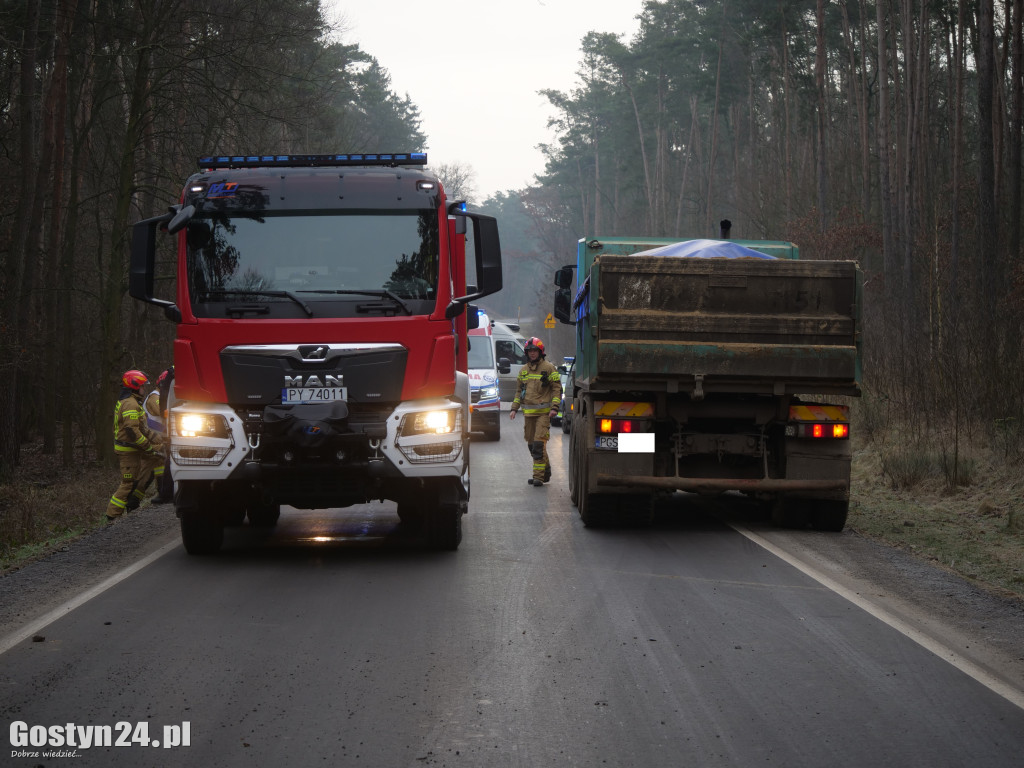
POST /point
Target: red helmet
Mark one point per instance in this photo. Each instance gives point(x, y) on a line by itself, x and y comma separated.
point(160, 379)
point(535, 343)
point(134, 379)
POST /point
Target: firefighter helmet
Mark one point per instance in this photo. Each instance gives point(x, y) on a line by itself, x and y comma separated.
point(535, 343)
point(134, 379)
point(163, 376)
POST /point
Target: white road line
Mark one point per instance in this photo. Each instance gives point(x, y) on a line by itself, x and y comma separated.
point(36, 626)
point(927, 642)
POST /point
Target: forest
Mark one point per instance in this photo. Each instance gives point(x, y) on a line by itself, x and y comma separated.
point(887, 132)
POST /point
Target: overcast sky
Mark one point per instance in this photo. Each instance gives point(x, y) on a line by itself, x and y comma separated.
point(474, 69)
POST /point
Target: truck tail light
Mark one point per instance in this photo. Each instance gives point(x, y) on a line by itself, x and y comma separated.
point(617, 426)
point(819, 421)
point(840, 431)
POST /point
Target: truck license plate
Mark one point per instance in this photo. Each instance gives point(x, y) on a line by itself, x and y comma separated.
point(313, 394)
point(610, 442)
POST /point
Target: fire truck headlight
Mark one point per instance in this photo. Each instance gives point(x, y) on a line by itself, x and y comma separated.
point(435, 422)
point(200, 425)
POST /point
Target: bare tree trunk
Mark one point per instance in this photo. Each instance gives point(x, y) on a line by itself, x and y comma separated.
point(787, 155)
point(686, 166)
point(710, 201)
point(59, 108)
point(884, 159)
point(14, 266)
point(958, 137)
point(858, 81)
point(1016, 128)
point(987, 218)
point(819, 78)
point(643, 155)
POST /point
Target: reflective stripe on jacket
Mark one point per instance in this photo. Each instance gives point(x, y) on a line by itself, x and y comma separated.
point(130, 430)
point(539, 389)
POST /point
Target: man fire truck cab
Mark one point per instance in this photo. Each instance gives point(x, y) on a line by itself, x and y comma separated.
point(320, 356)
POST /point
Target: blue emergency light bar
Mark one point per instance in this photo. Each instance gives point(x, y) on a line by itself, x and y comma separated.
point(302, 161)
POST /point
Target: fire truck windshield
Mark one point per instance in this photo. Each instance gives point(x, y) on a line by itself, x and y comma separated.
point(338, 258)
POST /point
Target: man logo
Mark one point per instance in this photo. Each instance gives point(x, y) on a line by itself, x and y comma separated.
point(315, 380)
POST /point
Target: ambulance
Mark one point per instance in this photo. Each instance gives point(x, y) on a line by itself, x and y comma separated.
point(484, 370)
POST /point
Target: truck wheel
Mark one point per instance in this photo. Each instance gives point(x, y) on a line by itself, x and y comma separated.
point(637, 509)
point(232, 514)
point(598, 510)
point(565, 425)
point(830, 514)
point(494, 433)
point(201, 530)
point(262, 515)
point(574, 487)
point(790, 513)
point(444, 526)
point(410, 515)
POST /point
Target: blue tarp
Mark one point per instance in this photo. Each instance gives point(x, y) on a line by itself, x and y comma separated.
point(706, 249)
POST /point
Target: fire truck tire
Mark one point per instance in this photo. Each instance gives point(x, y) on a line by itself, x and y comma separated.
point(202, 531)
point(409, 514)
point(263, 515)
point(444, 526)
point(232, 513)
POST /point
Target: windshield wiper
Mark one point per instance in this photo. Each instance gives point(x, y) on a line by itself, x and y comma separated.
point(382, 293)
point(248, 292)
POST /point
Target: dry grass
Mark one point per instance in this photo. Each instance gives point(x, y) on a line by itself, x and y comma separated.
point(973, 527)
point(50, 505)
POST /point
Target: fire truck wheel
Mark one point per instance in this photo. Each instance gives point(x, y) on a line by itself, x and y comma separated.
point(232, 513)
point(444, 526)
point(263, 515)
point(410, 515)
point(201, 530)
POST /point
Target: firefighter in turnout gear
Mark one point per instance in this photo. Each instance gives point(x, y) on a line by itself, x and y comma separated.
point(136, 445)
point(538, 394)
point(156, 408)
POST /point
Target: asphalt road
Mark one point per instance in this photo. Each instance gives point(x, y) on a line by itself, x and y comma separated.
point(338, 641)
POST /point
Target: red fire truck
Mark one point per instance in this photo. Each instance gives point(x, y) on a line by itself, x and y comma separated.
point(320, 355)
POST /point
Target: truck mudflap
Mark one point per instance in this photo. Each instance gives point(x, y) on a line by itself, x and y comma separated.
point(714, 485)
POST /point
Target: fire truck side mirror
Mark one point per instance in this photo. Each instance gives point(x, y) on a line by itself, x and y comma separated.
point(143, 255)
point(487, 254)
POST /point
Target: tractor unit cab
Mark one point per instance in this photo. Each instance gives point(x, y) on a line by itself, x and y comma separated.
point(320, 356)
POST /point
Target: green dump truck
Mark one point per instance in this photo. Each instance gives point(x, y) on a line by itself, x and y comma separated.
point(706, 366)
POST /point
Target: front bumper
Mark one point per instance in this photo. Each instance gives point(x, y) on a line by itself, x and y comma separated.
point(232, 447)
